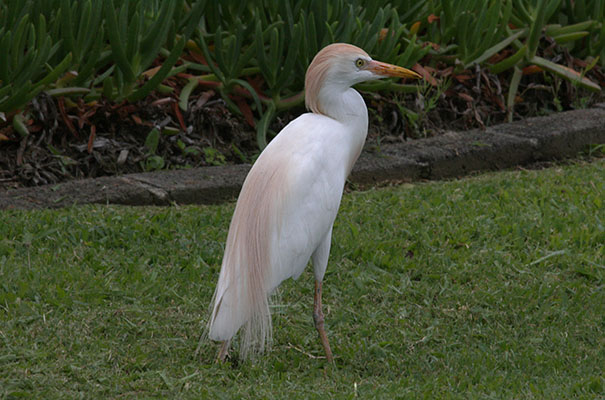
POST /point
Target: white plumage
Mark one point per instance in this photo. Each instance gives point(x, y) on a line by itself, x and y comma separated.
point(290, 198)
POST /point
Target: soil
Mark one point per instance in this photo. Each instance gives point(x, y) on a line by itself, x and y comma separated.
point(70, 140)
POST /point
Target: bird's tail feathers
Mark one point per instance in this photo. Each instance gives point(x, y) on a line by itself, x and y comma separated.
point(241, 296)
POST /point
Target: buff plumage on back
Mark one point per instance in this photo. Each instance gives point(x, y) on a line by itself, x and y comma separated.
point(241, 294)
point(318, 72)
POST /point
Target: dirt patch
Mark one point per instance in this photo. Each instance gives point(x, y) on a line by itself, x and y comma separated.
point(449, 155)
point(70, 141)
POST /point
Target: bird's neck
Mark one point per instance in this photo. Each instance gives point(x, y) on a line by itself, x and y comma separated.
point(346, 106)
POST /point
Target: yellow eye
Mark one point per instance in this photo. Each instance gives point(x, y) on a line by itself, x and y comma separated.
point(360, 62)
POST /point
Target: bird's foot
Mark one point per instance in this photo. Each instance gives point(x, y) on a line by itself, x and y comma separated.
point(223, 352)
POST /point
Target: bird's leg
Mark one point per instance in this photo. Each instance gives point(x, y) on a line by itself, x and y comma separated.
point(222, 353)
point(318, 318)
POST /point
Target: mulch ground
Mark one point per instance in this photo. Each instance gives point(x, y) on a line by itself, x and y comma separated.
point(70, 140)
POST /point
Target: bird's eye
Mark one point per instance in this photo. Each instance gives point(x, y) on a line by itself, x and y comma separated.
point(360, 62)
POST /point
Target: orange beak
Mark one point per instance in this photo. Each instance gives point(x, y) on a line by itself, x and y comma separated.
point(384, 69)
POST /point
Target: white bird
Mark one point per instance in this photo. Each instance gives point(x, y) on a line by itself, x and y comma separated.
point(289, 200)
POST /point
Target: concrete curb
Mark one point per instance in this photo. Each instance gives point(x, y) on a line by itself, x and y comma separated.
point(454, 154)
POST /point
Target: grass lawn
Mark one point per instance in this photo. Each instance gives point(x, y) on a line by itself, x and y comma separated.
point(487, 287)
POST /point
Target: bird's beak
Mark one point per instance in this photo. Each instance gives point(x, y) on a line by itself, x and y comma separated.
point(384, 69)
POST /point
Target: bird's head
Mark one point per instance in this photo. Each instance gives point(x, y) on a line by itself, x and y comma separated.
point(342, 65)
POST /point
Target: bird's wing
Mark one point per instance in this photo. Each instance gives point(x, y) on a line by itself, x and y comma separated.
point(314, 155)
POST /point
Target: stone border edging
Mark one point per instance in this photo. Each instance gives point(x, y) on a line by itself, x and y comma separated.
point(453, 154)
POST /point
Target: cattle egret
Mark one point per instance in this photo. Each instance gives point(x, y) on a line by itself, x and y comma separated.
point(290, 198)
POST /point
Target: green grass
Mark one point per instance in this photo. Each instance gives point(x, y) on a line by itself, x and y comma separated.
point(488, 287)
